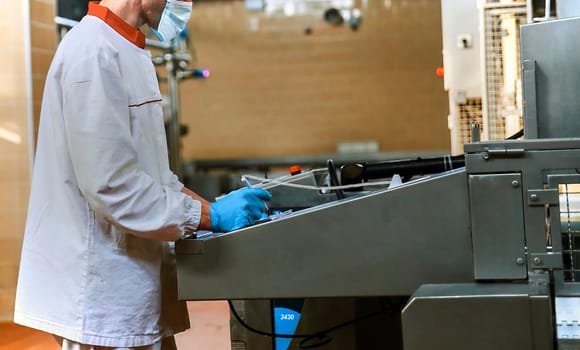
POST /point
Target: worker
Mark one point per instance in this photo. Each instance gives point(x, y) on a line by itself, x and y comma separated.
point(97, 265)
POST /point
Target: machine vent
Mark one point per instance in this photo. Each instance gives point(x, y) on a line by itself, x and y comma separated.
point(502, 111)
point(240, 307)
point(239, 345)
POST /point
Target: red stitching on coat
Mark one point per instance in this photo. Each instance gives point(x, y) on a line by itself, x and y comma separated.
point(144, 103)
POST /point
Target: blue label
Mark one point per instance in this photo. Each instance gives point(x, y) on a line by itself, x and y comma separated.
point(285, 322)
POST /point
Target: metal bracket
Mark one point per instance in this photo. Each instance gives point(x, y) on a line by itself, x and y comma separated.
point(546, 260)
point(530, 100)
point(542, 197)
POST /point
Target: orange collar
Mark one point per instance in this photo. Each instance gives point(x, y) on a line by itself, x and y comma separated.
point(118, 24)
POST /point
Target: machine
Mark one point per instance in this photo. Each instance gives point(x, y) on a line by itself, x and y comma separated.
point(483, 256)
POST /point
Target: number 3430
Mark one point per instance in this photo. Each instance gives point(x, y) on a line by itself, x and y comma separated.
point(286, 317)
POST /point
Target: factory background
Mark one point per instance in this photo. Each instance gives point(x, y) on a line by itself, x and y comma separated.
point(274, 90)
point(283, 84)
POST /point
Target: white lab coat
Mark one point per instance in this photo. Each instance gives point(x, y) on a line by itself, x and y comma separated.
point(94, 268)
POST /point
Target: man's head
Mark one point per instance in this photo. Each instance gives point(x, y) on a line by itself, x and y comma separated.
point(166, 18)
point(152, 11)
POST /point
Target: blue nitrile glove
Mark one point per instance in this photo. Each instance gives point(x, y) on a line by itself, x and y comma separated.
point(238, 209)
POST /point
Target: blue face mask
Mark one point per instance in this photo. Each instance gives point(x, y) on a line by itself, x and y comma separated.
point(173, 19)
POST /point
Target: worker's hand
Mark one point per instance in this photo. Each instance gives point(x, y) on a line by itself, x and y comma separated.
point(238, 209)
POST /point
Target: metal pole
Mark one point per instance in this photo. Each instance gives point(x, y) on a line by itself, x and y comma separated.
point(173, 129)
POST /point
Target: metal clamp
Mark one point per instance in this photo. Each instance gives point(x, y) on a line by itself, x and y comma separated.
point(550, 260)
point(542, 197)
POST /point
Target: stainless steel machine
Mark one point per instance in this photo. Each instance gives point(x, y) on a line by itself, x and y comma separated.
point(481, 257)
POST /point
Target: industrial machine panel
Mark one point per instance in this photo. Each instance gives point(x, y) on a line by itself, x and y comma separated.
point(386, 242)
point(496, 208)
point(550, 90)
point(476, 317)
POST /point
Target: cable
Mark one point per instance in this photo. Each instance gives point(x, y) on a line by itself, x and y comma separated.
point(237, 316)
point(340, 325)
point(322, 336)
point(517, 135)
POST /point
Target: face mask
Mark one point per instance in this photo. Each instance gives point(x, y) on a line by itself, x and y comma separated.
point(173, 19)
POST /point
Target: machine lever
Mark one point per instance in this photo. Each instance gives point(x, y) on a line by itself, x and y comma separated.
point(334, 178)
point(407, 168)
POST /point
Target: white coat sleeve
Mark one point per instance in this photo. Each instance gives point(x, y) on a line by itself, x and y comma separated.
point(105, 160)
point(174, 183)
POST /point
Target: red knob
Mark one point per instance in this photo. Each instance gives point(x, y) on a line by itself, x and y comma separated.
point(295, 169)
